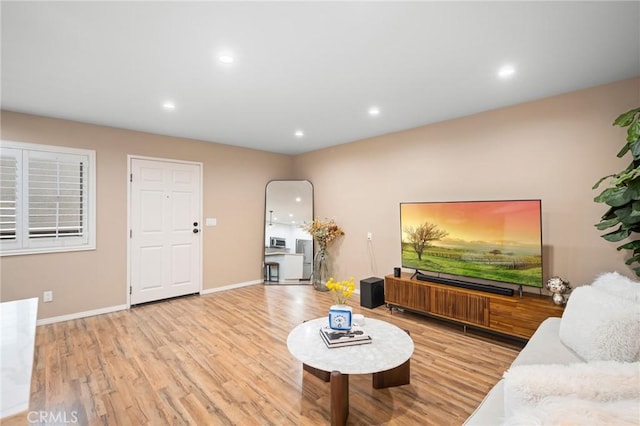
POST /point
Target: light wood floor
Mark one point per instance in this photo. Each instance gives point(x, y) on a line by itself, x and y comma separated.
point(222, 359)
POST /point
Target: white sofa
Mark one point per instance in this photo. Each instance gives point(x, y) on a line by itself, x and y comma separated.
point(583, 368)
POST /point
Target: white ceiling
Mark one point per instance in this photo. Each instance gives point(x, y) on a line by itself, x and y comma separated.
point(314, 66)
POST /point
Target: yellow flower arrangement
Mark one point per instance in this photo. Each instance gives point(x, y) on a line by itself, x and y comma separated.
point(342, 290)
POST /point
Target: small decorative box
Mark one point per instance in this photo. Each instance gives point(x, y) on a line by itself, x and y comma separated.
point(340, 317)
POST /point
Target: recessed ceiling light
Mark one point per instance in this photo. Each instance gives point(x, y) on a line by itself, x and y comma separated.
point(299, 133)
point(298, 199)
point(374, 111)
point(225, 59)
point(169, 105)
point(506, 71)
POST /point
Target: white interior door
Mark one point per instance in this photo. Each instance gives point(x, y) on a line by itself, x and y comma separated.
point(165, 254)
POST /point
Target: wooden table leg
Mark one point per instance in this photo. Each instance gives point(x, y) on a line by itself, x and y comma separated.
point(339, 398)
point(320, 374)
point(398, 376)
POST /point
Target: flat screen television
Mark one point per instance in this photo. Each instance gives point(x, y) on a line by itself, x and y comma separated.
point(496, 241)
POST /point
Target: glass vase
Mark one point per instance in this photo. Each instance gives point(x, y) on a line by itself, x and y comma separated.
point(321, 269)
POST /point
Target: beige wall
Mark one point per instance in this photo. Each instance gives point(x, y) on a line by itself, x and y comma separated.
point(553, 149)
point(234, 184)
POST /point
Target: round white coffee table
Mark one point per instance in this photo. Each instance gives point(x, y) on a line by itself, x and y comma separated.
point(387, 357)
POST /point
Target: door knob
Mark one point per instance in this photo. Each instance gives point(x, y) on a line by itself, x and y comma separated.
point(196, 230)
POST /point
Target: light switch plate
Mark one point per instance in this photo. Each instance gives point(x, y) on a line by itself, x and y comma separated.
point(211, 221)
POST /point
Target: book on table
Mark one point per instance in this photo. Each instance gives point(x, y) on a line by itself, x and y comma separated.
point(337, 338)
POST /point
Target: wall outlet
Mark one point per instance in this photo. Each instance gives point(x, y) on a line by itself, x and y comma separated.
point(47, 296)
point(369, 236)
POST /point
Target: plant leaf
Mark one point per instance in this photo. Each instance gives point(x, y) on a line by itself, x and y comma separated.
point(619, 197)
point(607, 223)
point(617, 235)
point(604, 195)
point(628, 216)
point(625, 175)
point(633, 132)
point(634, 192)
point(602, 179)
point(623, 151)
point(615, 197)
point(610, 214)
point(633, 259)
point(635, 148)
point(626, 118)
point(632, 185)
point(632, 245)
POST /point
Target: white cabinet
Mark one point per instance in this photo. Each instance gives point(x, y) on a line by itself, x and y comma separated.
point(290, 264)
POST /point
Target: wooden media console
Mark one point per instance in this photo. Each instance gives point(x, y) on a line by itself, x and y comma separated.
point(509, 315)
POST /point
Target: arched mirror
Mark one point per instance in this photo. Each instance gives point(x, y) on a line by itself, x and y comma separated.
point(288, 249)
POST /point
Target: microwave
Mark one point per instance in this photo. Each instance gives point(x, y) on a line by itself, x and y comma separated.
point(278, 242)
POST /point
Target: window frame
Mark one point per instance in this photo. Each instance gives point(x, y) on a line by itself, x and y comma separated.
point(23, 244)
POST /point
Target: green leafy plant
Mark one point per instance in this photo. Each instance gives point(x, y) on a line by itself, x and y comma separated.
point(623, 194)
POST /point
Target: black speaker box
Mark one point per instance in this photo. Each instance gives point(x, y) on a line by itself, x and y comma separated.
point(371, 292)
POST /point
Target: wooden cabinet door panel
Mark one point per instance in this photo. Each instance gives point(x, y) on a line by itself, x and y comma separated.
point(407, 294)
point(460, 306)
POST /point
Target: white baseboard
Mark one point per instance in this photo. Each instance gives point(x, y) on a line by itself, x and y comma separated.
point(230, 287)
point(84, 314)
point(110, 309)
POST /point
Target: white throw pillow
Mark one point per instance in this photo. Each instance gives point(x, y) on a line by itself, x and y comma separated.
point(618, 285)
point(599, 326)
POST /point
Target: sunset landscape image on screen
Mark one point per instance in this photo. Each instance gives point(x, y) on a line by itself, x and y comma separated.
point(493, 240)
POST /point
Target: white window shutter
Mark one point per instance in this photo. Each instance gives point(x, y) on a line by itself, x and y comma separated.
point(10, 185)
point(47, 199)
point(56, 196)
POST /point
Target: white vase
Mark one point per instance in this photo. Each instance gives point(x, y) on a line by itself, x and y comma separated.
point(340, 317)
